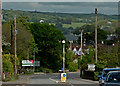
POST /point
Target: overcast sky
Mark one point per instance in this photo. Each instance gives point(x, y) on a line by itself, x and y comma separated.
point(60, 0)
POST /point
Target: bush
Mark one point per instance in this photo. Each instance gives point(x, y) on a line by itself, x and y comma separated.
point(73, 66)
point(95, 75)
point(8, 68)
point(46, 70)
point(25, 71)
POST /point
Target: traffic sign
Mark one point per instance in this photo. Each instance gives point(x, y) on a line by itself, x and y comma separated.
point(63, 77)
point(91, 67)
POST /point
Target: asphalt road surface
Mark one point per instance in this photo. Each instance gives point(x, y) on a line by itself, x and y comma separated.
point(54, 79)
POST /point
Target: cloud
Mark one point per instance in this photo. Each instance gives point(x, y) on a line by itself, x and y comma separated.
point(60, 0)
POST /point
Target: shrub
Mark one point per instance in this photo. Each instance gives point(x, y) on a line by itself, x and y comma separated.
point(46, 70)
point(95, 75)
point(8, 67)
point(73, 66)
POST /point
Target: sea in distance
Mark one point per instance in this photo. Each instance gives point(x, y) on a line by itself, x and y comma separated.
point(108, 8)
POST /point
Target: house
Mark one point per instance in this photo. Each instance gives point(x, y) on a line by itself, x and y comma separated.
point(76, 49)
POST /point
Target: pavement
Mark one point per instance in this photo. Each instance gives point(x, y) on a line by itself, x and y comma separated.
point(23, 79)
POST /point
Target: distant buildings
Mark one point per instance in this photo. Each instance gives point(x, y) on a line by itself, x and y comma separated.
point(76, 49)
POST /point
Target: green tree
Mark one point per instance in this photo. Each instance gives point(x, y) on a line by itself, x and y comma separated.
point(25, 39)
point(48, 37)
point(89, 33)
point(70, 64)
point(88, 58)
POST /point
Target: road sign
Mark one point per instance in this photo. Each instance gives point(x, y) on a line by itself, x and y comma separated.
point(63, 77)
point(91, 67)
point(30, 63)
point(27, 62)
point(37, 63)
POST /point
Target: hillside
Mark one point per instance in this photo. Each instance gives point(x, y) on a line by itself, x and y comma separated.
point(66, 22)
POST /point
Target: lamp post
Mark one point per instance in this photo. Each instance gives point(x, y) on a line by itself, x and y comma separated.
point(63, 56)
point(81, 55)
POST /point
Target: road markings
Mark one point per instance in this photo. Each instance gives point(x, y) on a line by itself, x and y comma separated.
point(53, 79)
point(17, 85)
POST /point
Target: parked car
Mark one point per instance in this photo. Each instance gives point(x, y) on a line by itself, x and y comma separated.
point(104, 74)
point(112, 79)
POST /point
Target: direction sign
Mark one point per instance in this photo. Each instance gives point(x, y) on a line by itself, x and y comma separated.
point(27, 62)
point(30, 63)
point(37, 63)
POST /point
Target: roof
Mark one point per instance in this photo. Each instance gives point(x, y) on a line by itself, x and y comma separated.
point(77, 46)
point(111, 69)
point(71, 37)
point(114, 72)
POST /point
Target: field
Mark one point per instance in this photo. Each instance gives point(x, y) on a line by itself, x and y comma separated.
point(74, 25)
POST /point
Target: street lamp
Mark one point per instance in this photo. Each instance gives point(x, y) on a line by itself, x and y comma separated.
point(63, 56)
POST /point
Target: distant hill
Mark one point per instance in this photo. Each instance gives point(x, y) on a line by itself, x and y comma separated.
point(66, 22)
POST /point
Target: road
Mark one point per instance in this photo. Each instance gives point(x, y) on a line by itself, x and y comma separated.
point(72, 78)
point(53, 79)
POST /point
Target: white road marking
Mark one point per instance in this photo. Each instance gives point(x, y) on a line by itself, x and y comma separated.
point(53, 79)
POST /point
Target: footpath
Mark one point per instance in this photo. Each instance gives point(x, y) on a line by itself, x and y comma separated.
point(23, 79)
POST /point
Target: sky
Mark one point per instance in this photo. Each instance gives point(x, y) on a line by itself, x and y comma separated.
point(60, 0)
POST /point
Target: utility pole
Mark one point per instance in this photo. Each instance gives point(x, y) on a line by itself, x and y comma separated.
point(96, 34)
point(81, 55)
point(11, 40)
point(15, 71)
point(1, 66)
point(28, 54)
point(81, 45)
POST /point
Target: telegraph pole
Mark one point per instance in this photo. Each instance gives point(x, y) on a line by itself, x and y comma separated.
point(1, 67)
point(81, 44)
point(11, 40)
point(15, 71)
point(96, 34)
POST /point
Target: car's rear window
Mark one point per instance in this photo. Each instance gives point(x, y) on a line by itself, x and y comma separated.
point(107, 71)
point(114, 77)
